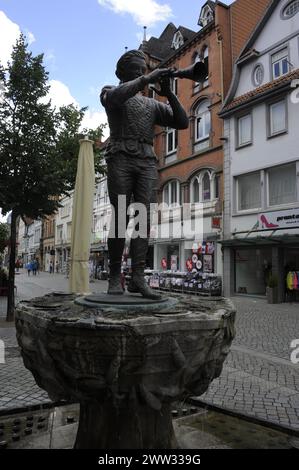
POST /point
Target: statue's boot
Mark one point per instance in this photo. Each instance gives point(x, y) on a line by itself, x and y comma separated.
point(114, 286)
point(138, 285)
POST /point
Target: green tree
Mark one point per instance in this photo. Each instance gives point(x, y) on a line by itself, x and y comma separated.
point(4, 235)
point(38, 146)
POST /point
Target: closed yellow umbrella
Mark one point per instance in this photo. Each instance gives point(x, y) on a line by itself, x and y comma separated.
point(82, 219)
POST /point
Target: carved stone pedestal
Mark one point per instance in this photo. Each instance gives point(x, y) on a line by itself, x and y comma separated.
point(124, 360)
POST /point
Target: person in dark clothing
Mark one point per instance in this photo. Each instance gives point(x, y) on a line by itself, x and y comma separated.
point(131, 161)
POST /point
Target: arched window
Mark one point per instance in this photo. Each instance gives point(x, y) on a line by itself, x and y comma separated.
point(204, 187)
point(171, 193)
point(202, 121)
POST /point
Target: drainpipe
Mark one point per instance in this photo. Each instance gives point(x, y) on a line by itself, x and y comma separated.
point(220, 42)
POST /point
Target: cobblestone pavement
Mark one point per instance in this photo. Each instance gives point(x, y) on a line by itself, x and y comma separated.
point(258, 378)
point(17, 386)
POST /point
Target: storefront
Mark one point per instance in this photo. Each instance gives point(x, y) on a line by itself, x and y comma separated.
point(251, 262)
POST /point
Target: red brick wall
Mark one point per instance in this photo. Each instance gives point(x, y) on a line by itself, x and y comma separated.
point(245, 15)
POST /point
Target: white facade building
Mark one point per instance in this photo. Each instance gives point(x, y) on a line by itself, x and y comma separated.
point(63, 231)
point(261, 163)
point(101, 225)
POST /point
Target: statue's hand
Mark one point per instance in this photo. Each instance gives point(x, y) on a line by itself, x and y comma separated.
point(164, 89)
point(156, 75)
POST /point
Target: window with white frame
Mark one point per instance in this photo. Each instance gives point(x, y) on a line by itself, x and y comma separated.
point(206, 62)
point(177, 41)
point(202, 121)
point(171, 193)
point(249, 191)
point(280, 63)
point(277, 118)
point(244, 130)
point(196, 86)
point(69, 231)
point(258, 75)
point(282, 185)
point(59, 233)
point(174, 85)
point(204, 187)
point(37, 235)
point(171, 140)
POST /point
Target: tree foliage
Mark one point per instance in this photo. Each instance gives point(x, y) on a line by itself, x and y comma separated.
point(4, 236)
point(38, 145)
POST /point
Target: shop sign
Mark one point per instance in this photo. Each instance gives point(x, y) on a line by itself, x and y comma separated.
point(279, 219)
point(216, 222)
point(164, 263)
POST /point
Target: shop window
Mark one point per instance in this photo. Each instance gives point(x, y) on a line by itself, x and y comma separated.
point(249, 192)
point(171, 193)
point(244, 130)
point(280, 63)
point(277, 118)
point(252, 268)
point(282, 184)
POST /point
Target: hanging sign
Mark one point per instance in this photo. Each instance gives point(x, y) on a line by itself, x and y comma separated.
point(194, 259)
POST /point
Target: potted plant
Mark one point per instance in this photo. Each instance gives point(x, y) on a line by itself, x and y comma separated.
point(271, 290)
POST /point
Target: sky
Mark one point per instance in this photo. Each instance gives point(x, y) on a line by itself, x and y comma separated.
point(82, 40)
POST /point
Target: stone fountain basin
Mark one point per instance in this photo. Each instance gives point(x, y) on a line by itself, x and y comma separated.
point(80, 353)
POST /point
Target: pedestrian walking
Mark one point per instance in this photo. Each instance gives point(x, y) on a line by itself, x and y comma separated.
point(34, 267)
point(37, 265)
point(51, 267)
point(57, 267)
point(28, 267)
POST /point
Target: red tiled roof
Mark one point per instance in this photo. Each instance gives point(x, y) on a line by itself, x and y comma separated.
point(243, 99)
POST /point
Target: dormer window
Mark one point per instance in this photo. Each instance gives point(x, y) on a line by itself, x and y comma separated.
point(177, 41)
point(206, 16)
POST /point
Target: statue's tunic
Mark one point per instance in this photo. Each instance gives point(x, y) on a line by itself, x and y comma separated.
point(132, 118)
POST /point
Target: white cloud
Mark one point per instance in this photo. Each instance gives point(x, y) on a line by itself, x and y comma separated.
point(93, 119)
point(9, 33)
point(144, 13)
point(60, 94)
point(30, 37)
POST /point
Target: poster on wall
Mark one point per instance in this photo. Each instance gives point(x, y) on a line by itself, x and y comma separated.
point(164, 263)
point(207, 263)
